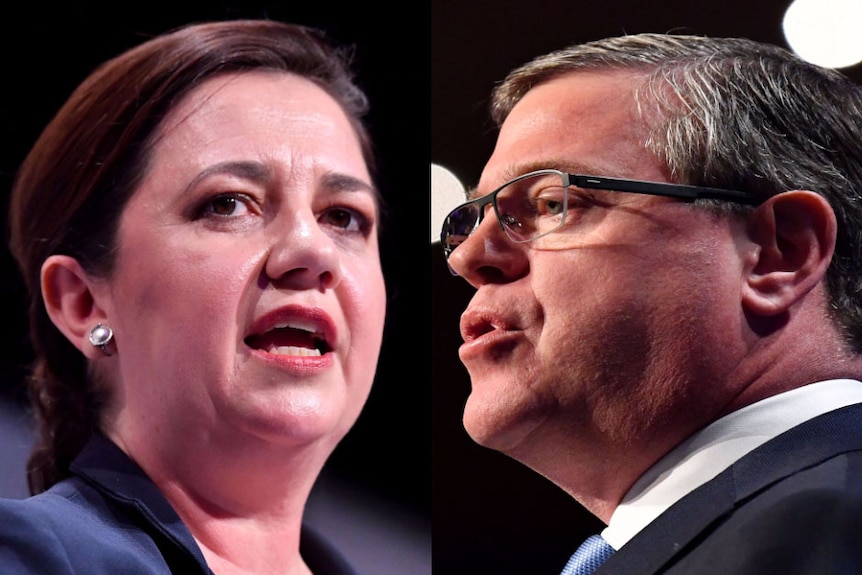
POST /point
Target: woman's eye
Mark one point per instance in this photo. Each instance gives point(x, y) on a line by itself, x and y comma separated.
point(346, 219)
point(225, 205)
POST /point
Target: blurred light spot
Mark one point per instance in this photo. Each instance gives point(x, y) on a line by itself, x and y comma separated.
point(825, 32)
point(447, 192)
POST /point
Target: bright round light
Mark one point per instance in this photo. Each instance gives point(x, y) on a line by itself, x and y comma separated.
point(447, 192)
point(825, 32)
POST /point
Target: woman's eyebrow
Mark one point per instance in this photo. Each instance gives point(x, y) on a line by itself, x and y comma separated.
point(248, 170)
point(345, 182)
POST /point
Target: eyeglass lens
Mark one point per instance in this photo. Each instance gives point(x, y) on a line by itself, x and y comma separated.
point(527, 208)
point(532, 206)
point(458, 226)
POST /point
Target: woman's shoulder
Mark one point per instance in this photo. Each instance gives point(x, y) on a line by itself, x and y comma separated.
point(72, 528)
point(71, 513)
point(68, 506)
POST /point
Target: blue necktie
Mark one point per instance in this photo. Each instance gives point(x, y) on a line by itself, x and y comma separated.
point(588, 557)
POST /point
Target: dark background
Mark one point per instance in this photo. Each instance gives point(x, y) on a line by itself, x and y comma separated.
point(491, 515)
point(47, 48)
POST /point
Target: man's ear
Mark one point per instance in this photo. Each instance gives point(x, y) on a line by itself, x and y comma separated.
point(795, 237)
point(67, 291)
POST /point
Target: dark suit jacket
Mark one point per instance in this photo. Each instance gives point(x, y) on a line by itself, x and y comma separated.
point(791, 506)
point(110, 519)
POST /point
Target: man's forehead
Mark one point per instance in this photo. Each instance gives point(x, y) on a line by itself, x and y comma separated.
point(584, 122)
point(574, 101)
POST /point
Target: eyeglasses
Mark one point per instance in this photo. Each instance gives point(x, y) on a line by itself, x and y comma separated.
point(534, 204)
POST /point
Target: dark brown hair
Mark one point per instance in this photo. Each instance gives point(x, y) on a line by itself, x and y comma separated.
point(73, 185)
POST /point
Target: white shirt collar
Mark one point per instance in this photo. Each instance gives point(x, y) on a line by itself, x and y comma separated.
point(715, 447)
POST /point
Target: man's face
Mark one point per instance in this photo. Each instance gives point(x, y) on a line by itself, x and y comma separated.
point(609, 329)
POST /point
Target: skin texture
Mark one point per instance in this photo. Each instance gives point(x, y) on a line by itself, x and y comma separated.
point(593, 351)
point(257, 209)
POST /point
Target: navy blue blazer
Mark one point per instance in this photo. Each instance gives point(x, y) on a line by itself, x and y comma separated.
point(110, 519)
point(792, 506)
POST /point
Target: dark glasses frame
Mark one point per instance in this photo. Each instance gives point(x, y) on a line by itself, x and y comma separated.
point(681, 191)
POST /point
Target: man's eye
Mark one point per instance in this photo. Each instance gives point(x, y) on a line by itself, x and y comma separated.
point(548, 207)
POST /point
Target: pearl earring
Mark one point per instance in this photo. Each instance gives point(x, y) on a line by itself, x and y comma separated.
point(101, 336)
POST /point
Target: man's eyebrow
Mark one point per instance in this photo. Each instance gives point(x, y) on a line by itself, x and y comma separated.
point(510, 173)
point(561, 165)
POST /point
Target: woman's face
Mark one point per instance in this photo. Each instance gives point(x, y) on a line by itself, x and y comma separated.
point(247, 300)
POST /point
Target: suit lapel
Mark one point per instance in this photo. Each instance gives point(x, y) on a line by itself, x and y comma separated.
point(803, 446)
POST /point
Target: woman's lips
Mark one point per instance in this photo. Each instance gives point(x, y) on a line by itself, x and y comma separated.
point(294, 330)
point(289, 339)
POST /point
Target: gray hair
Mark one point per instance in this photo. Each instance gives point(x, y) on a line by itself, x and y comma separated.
point(738, 114)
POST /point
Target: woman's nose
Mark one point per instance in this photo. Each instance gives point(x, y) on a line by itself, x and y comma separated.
point(302, 255)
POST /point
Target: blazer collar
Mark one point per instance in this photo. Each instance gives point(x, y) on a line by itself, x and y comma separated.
point(805, 445)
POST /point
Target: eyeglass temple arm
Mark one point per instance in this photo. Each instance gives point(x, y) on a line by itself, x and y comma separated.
point(660, 189)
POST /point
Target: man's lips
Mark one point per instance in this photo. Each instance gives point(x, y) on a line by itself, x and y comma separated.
point(487, 332)
point(478, 323)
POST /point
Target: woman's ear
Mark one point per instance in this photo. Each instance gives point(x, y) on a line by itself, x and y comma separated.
point(67, 291)
point(795, 234)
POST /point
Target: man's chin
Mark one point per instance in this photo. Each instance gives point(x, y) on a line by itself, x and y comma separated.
point(493, 426)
